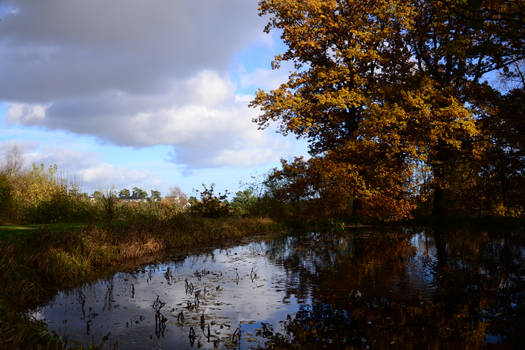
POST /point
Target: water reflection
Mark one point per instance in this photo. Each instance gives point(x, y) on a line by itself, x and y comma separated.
point(428, 289)
point(405, 288)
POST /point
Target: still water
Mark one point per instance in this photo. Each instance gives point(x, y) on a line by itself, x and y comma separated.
point(403, 288)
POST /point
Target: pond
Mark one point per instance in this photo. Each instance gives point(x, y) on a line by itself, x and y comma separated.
point(403, 288)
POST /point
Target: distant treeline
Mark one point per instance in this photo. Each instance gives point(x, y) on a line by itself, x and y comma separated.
point(38, 195)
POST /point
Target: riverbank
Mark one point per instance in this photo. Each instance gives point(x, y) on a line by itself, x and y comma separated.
point(36, 263)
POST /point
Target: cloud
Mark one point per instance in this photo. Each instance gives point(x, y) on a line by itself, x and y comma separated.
point(26, 114)
point(201, 117)
point(67, 48)
point(85, 169)
point(136, 73)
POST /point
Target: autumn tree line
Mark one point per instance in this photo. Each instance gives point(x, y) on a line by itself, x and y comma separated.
point(409, 107)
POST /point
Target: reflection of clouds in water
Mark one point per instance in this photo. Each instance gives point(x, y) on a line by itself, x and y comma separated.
point(374, 286)
point(240, 284)
point(420, 274)
point(248, 298)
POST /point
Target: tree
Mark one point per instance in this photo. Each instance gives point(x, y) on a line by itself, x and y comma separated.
point(98, 195)
point(155, 196)
point(10, 168)
point(503, 169)
point(243, 202)
point(210, 205)
point(124, 194)
point(139, 193)
point(13, 162)
point(177, 197)
point(381, 88)
point(6, 195)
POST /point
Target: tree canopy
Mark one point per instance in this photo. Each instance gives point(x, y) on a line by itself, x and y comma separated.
point(388, 93)
point(124, 194)
point(139, 193)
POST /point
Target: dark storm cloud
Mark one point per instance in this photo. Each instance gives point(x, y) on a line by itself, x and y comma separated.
point(56, 49)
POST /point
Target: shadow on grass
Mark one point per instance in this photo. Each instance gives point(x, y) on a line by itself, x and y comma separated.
point(15, 231)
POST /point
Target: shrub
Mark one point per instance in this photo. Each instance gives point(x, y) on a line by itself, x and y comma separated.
point(56, 208)
point(6, 193)
point(210, 205)
point(243, 203)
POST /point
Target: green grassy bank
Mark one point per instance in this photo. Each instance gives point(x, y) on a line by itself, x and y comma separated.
point(17, 231)
point(38, 261)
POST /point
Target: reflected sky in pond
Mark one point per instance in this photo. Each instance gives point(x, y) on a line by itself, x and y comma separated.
point(365, 289)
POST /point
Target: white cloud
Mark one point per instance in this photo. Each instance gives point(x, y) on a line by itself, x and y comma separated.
point(105, 176)
point(85, 169)
point(26, 114)
point(202, 118)
point(208, 88)
point(137, 73)
point(23, 147)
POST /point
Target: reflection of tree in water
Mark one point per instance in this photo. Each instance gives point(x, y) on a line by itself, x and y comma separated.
point(492, 268)
point(477, 279)
point(329, 263)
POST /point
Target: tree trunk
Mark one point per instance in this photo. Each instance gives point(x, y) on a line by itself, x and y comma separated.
point(441, 162)
point(437, 204)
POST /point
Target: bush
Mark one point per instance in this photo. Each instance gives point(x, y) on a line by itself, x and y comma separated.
point(210, 205)
point(6, 193)
point(54, 209)
point(269, 206)
point(243, 203)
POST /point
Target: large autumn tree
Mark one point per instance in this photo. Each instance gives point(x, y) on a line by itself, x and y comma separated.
point(386, 92)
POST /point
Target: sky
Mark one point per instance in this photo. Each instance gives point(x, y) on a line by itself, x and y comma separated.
point(146, 93)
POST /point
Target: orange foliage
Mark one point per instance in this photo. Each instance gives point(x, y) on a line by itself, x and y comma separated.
point(382, 87)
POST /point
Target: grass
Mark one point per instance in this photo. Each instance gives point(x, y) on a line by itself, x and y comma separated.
point(40, 260)
point(11, 231)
